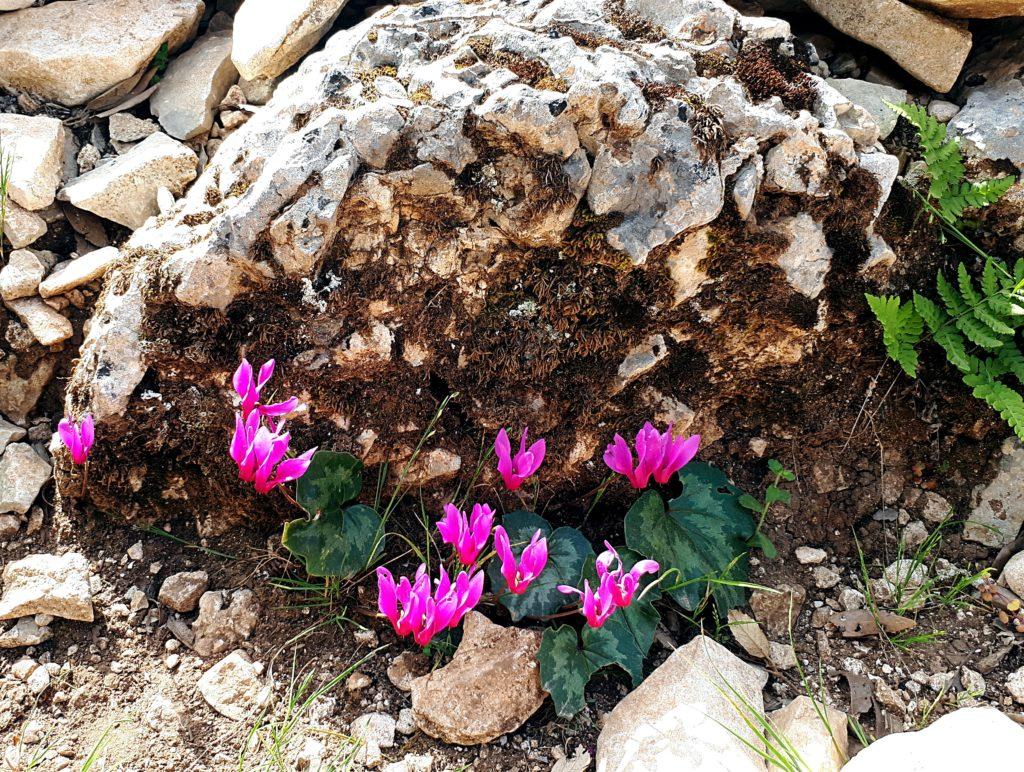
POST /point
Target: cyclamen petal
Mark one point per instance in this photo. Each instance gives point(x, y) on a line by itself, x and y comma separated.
point(468, 535)
point(414, 610)
point(77, 437)
point(658, 454)
point(514, 471)
point(260, 453)
point(519, 575)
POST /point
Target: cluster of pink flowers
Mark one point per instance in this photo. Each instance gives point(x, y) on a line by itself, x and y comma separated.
point(77, 436)
point(615, 586)
point(414, 609)
point(259, 448)
point(658, 454)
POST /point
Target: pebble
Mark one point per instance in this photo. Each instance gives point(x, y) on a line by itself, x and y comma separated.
point(1015, 685)
point(825, 578)
point(811, 556)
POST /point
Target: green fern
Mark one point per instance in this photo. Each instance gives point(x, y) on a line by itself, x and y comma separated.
point(976, 328)
point(901, 330)
point(947, 189)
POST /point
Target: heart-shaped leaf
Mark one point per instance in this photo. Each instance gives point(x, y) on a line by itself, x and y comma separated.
point(565, 668)
point(331, 481)
point(338, 542)
point(703, 534)
point(568, 551)
point(628, 634)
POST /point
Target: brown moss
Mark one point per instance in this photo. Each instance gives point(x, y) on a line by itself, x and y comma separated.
point(531, 71)
point(766, 73)
point(586, 239)
point(711, 64)
point(369, 77)
point(197, 218)
point(633, 26)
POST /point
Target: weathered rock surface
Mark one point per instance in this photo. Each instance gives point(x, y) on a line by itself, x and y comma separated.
point(224, 621)
point(26, 632)
point(71, 52)
point(68, 275)
point(22, 385)
point(234, 687)
point(125, 189)
point(872, 97)
point(821, 748)
point(451, 159)
point(991, 123)
point(491, 686)
point(193, 85)
point(9, 433)
point(1013, 574)
point(49, 327)
point(929, 47)
point(22, 227)
point(182, 591)
point(679, 717)
point(967, 738)
point(57, 585)
point(974, 9)
point(21, 276)
point(271, 36)
point(35, 146)
point(998, 507)
point(22, 475)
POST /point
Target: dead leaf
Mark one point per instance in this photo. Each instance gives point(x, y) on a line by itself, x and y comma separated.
point(749, 635)
point(861, 698)
point(862, 623)
point(115, 93)
point(130, 102)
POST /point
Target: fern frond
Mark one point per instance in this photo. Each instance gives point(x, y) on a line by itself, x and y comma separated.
point(1000, 397)
point(901, 330)
point(1011, 358)
point(979, 304)
point(963, 316)
point(944, 332)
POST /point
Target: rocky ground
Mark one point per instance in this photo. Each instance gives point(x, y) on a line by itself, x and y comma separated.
point(572, 215)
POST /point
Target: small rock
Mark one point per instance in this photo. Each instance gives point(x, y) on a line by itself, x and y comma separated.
point(998, 507)
point(406, 723)
point(125, 127)
point(406, 667)
point(782, 655)
point(233, 687)
point(491, 686)
point(778, 611)
point(125, 189)
point(1013, 574)
point(88, 158)
point(68, 275)
point(915, 534)
point(942, 111)
point(366, 637)
point(38, 680)
point(222, 624)
point(872, 97)
point(22, 475)
point(22, 227)
point(35, 146)
point(375, 731)
point(9, 433)
point(851, 599)
point(1015, 685)
point(933, 507)
point(821, 748)
point(973, 682)
point(57, 585)
point(49, 327)
point(136, 551)
point(906, 574)
point(825, 578)
point(811, 556)
point(357, 682)
point(26, 632)
point(412, 763)
point(21, 276)
point(182, 591)
point(10, 525)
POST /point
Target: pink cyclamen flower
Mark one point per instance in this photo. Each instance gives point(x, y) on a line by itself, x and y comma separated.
point(659, 454)
point(260, 454)
point(527, 461)
point(624, 583)
point(77, 437)
point(531, 563)
point(468, 535)
point(248, 389)
point(414, 610)
point(597, 606)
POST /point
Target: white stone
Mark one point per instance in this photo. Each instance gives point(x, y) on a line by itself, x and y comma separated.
point(57, 585)
point(810, 556)
point(968, 738)
point(1015, 685)
point(998, 507)
point(82, 270)
point(70, 52)
point(906, 574)
point(872, 97)
point(9, 433)
point(125, 127)
point(798, 165)
point(375, 731)
point(821, 747)
point(125, 189)
point(270, 36)
point(48, 326)
point(825, 578)
point(943, 111)
point(808, 258)
point(21, 276)
point(234, 687)
point(682, 716)
point(22, 474)
point(25, 632)
point(35, 143)
point(22, 227)
point(14, 5)
point(193, 85)
point(684, 264)
point(182, 591)
point(1013, 574)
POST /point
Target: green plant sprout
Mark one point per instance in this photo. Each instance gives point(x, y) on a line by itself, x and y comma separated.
point(773, 495)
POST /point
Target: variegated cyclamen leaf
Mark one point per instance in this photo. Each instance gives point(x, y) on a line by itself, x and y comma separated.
point(331, 481)
point(565, 668)
point(568, 552)
point(338, 543)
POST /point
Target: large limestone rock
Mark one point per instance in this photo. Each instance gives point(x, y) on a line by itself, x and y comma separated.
point(271, 36)
point(71, 51)
point(931, 48)
point(491, 686)
point(998, 507)
point(22, 474)
point(482, 202)
point(125, 189)
point(974, 9)
point(968, 738)
point(194, 84)
point(681, 716)
point(57, 585)
point(49, 326)
point(991, 123)
point(35, 146)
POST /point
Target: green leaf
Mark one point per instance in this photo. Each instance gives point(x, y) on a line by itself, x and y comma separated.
point(331, 482)
point(565, 668)
point(776, 495)
point(775, 466)
point(748, 501)
point(337, 543)
point(627, 636)
point(568, 551)
point(701, 534)
point(901, 330)
point(763, 543)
